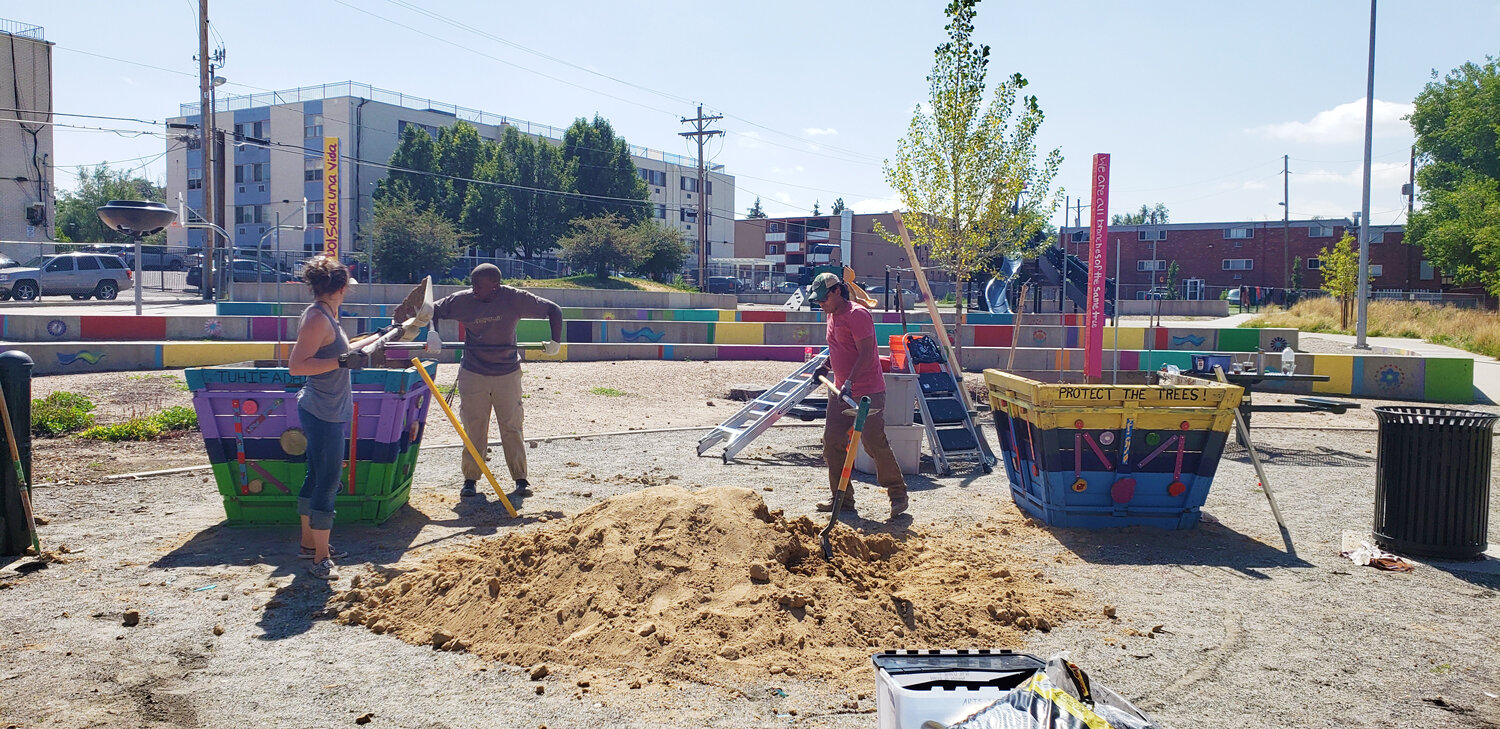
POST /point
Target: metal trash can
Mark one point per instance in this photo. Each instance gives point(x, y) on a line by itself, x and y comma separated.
point(1432, 481)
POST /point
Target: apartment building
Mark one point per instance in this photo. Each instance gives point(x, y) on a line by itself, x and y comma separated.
point(848, 238)
point(277, 163)
point(26, 157)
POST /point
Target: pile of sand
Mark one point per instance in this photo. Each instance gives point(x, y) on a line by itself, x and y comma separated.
point(689, 583)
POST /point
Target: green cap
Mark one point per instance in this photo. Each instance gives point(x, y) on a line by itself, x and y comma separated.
point(821, 285)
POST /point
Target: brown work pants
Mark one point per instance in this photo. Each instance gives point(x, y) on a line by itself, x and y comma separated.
point(836, 446)
point(478, 395)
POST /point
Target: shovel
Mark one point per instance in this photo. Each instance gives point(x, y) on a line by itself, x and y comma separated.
point(860, 413)
point(853, 406)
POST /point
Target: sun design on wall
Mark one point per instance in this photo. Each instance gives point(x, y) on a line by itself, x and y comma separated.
point(1389, 376)
point(1279, 343)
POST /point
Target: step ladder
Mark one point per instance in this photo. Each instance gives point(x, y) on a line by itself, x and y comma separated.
point(951, 431)
point(763, 412)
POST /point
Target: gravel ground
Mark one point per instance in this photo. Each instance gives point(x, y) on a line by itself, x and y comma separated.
point(232, 631)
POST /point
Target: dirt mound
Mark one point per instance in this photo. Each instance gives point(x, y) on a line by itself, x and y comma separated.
point(685, 583)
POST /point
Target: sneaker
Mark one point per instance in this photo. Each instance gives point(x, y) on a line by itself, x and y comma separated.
point(523, 487)
point(325, 570)
point(468, 489)
point(310, 553)
point(898, 505)
point(827, 506)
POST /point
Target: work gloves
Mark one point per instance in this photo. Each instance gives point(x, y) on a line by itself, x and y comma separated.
point(354, 360)
point(551, 348)
point(434, 341)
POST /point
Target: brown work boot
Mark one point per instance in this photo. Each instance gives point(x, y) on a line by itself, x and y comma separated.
point(827, 506)
point(898, 505)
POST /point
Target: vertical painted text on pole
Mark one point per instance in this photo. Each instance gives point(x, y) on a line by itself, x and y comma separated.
point(1093, 349)
point(331, 220)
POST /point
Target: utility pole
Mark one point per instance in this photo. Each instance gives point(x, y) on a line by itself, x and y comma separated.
point(700, 134)
point(1364, 216)
point(206, 126)
point(1286, 221)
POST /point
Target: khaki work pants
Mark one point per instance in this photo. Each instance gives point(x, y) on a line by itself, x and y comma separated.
point(478, 395)
point(836, 446)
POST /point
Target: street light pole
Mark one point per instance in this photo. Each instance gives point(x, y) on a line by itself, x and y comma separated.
point(1361, 321)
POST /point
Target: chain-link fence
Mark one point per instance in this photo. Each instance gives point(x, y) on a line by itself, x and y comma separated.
point(164, 269)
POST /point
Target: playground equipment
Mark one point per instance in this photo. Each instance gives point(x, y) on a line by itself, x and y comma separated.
point(997, 291)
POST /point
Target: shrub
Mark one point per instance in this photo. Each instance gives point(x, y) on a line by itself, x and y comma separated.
point(133, 429)
point(177, 417)
point(61, 412)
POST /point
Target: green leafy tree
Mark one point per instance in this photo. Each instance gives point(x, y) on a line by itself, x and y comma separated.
point(416, 152)
point(756, 212)
point(815, 208)
point(838, 207)
point(599, 165)
point(1173, 271)
point(657, 250)
point(533, 222)
point(968, 171)
point(601, 244)
point(77, 214)
point(1147, 215)
point(483, 203)
point(1341, 275)
point(410, 240)
point(1458, 146)
point(459, 150)
point(1296, 281)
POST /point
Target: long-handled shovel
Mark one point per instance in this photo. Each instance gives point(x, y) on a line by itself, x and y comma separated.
point(860, 413)
point(21, 480)
point(469, 444)
point(1265, 483)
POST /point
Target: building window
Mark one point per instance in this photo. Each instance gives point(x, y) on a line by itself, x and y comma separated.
point(653, 177)
point(1376, 269)
point(1151, 234)
point(687, 215)
point(1320, 231)
point(1157, 265)
point(1314, 264)
point(312, 126)
point(661, 211)
point(312, 169)
point(250, 214)
point(195, 178)
point(250, 173)
point(1239, 264)
point(401, 126)
point(1425, 271)
point(773, 228)
point(260, 130)
point(689, 184)
point(1237, 233)
point(772, 249)
point(1080, 236)
point(315, 218)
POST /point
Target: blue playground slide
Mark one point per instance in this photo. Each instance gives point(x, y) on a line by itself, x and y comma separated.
point(995, 291)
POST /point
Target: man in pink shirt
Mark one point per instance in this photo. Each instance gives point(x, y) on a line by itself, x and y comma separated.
point(855, 361)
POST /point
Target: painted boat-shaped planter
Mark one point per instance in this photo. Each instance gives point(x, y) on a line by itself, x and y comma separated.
point(254, 439)
point(1095, 456)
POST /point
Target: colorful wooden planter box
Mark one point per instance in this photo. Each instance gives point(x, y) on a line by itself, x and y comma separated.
point(251, 430)
point(1095, 456)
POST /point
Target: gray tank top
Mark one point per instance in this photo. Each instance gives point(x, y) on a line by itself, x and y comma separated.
point(328, 397)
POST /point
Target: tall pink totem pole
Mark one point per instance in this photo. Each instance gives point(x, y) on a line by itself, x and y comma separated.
point(1093, 347)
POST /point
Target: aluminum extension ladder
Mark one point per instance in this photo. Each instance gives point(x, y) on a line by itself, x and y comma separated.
point(763, 412)
point(951, 432)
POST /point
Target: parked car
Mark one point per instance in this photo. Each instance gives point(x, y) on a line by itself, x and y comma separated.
point(723, 285)
point(788, 287)
point(1233, 297)
point(245, 270)
point(154, 258)
point(8, 262)
point(907, 295)
point(80, 275)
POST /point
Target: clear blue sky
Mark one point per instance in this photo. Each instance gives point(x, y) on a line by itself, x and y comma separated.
point(1196, 101)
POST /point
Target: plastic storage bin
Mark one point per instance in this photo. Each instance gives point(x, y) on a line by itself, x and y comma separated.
point(900, 398)
point(1062, 443)
point(944, 686)
point(252, 433)
point(906, 443)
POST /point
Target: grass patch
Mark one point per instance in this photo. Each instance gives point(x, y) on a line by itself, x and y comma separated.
point(177, 417)
point(589, 281)
point(608, 392)
point(60, 413)
point(177, 383)
point(1471, 330)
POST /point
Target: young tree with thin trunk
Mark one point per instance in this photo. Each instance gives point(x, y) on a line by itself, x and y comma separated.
point(1341, 275)
point(967, 169)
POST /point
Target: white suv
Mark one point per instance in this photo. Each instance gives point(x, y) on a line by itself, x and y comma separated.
point(81, 275)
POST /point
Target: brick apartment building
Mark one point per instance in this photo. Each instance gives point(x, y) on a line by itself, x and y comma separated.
point(848, 238)
point(1214, 257)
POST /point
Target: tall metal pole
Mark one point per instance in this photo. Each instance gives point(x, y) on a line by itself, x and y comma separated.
point(1286, 222)
point(700, 133)
point(206, 127)
point(1364, 208)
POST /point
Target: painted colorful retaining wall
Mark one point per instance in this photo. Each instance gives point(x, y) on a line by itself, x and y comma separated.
point(1394, 377)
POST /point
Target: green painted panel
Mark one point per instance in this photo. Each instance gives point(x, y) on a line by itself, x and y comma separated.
point(1238, 340)
point(696, 315)
point(1448, 380)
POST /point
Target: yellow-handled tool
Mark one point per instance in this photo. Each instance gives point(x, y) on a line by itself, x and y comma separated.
point(469, 444)
point(21, 479)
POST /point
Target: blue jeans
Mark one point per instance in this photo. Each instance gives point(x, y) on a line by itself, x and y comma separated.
point(325, 466)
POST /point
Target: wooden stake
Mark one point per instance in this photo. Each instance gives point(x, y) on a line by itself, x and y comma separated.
point(932, 310)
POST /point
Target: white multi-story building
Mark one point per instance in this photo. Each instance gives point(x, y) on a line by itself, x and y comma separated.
point(26, 158)
point(269, 172)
